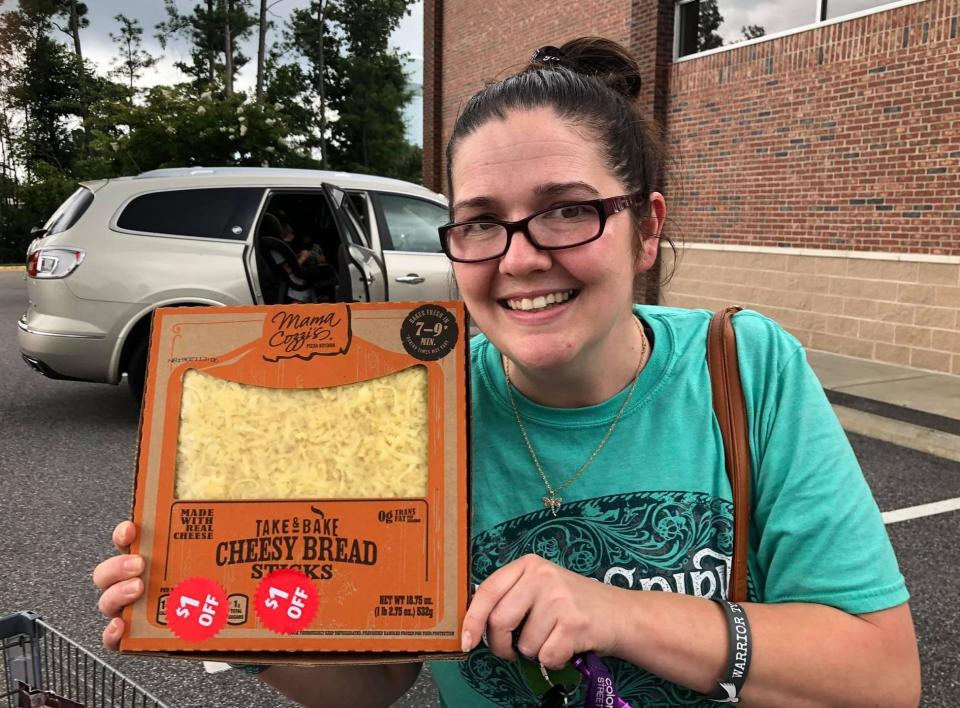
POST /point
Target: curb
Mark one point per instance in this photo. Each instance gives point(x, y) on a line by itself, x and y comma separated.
point(12, 269)
point(915, 416)
point(914, 437)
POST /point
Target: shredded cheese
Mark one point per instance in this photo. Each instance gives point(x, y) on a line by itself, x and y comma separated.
point(362, 440)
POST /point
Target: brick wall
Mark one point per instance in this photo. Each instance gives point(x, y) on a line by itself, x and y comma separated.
point(843, 137)
point(432, 93)
point(484, 41)
point(904, 312)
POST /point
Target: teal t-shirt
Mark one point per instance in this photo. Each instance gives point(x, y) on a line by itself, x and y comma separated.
point(654, 511)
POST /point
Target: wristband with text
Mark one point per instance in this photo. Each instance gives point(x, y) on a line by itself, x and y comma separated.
point(738, 661)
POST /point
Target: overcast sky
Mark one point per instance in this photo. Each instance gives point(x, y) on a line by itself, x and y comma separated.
point(98, 47)
point(778, 15)
point(772, 15)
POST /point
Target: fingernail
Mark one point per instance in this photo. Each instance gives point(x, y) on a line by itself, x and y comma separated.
point(133, 565)
point(132, 587)
point(114, 625)
point(466, 642)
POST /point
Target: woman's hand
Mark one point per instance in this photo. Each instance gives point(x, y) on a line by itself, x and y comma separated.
point(563, 614)
point(119, 579)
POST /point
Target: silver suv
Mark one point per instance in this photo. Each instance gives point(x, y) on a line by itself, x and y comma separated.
point(117, 249)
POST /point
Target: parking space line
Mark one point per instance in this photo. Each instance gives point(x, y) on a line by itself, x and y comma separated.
point(916, 512)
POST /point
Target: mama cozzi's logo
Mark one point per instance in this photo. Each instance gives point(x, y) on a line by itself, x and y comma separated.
point(306, 331)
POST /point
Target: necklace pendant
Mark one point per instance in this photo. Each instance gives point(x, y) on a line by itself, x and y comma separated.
point(552, 503)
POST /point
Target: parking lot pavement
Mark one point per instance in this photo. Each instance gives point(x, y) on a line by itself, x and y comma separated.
point(901, 410)
point(904, 425)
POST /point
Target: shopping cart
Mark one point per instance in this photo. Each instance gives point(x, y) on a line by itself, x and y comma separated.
point(42, 667)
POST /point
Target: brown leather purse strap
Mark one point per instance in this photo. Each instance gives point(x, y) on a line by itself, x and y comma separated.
point(731, 412)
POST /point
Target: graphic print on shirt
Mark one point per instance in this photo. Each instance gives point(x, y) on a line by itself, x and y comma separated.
point(667, 541)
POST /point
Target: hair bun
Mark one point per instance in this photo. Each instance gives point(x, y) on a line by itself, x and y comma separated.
point(603, 59)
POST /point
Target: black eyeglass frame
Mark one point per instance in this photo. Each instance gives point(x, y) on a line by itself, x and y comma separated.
point(605, 208)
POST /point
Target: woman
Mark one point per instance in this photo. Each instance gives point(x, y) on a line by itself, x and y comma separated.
point(598, 466)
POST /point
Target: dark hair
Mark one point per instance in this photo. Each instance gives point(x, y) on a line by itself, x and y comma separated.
point(590, 81)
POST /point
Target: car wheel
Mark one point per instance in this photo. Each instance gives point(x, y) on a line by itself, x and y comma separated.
point(137, 369)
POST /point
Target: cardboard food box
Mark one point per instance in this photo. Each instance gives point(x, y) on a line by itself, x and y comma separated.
point(302, 481)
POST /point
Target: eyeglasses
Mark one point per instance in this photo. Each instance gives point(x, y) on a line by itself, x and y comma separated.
point(552, 229)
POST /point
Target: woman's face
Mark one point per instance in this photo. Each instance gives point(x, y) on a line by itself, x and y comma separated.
point(508, 169)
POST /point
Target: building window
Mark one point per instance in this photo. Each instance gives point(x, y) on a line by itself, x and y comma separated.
point(702, 25)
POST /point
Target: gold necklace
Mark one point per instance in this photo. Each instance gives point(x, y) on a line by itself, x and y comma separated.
point(552, 501)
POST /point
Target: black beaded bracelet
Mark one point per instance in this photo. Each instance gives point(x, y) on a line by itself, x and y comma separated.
point(738, 661)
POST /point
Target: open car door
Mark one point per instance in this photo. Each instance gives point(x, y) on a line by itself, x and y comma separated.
point(367, 275)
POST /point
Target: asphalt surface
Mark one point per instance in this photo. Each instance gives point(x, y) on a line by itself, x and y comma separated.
point(66, 466)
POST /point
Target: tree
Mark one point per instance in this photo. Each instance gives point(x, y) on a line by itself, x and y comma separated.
point(171, 127)
point(132, 59)
point(38, 97)
point(358, 81)
point(226, 10)
point(287, 88)
point(374, 90)
point(8, 174)
point(312, 35)
point(45, 88)
point(199, 37)
point(76, 14)
point(213, 30)
point(321, 65)
point(261, 47)
point(752, 31)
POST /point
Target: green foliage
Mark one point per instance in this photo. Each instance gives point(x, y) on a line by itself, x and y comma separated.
point(205, 30)
point(64, 120)
point(371, 128)
point(365, 86)
point(173, 127)
point(32, 205)
point(132, 60)
point(44, 88)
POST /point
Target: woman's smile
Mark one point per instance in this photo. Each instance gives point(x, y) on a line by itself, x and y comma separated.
point(537, 302)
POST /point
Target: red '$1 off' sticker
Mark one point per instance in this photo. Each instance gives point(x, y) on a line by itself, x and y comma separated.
point(197, 609)
point(286, 601)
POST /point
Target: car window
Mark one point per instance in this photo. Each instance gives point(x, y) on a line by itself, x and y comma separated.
point(207, 213)
point(359, 201)
point(69, 212)
point(412, 223)
point(357, 235)
point(355, 223)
